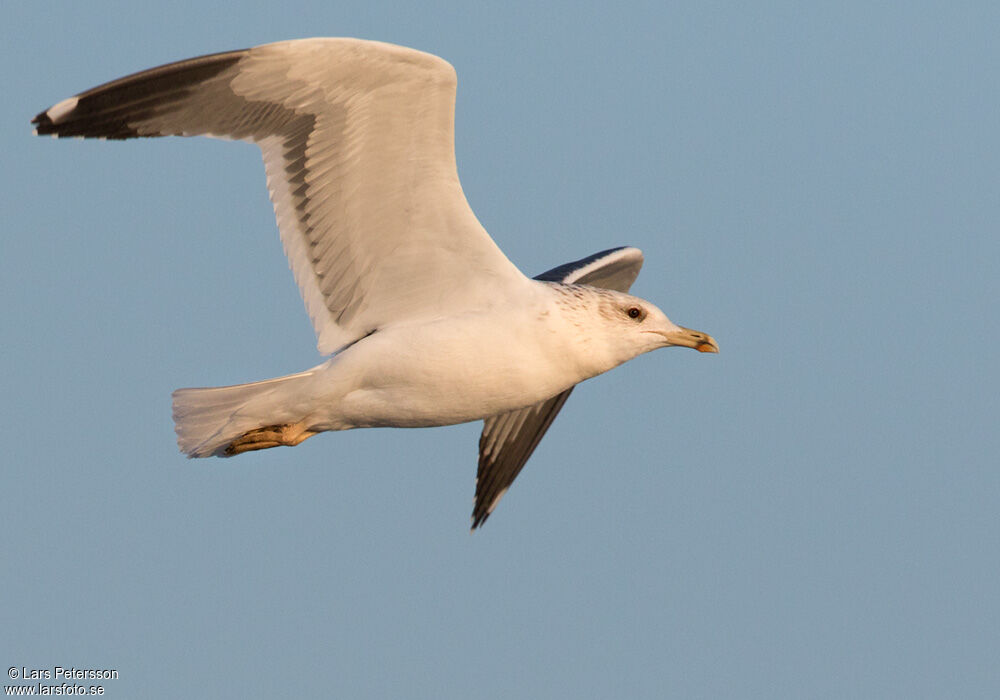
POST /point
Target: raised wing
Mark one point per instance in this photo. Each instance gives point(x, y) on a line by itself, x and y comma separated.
point(509, 439)
point(358, 144)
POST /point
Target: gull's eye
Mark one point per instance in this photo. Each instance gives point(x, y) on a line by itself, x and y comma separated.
point(635, 312)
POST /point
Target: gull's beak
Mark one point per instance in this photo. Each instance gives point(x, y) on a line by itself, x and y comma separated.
point(702, 342)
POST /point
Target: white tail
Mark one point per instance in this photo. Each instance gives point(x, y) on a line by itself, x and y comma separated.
point(208, 420)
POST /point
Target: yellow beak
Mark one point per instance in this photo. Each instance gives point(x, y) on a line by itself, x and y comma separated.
point(702, 342)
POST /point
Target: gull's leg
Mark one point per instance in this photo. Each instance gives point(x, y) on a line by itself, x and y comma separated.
point(269, 436)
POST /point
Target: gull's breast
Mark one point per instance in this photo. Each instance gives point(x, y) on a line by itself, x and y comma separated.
point(454, 370)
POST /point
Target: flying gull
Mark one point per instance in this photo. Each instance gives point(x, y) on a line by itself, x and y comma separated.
point(427, 321)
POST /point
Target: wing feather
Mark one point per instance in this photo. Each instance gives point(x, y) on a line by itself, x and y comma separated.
point(358, 145)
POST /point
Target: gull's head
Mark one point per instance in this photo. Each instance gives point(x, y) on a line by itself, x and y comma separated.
point(633, 326)
point(611, 327)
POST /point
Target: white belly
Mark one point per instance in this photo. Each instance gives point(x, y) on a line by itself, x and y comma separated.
point(445, 372)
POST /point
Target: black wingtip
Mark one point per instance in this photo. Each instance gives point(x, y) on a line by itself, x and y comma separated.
point(477, 520)
point(112, 110)
point(42, 124)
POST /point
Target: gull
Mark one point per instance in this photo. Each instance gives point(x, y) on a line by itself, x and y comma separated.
point(426, 321)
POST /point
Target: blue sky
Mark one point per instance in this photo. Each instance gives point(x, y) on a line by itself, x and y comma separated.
point(810, 513)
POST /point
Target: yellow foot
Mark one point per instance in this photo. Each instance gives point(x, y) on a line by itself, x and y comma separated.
point(270, 436)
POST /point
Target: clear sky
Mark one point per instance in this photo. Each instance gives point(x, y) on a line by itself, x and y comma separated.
point(811, 513)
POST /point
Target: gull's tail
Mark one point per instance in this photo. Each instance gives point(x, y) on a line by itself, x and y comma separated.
point(228, 420)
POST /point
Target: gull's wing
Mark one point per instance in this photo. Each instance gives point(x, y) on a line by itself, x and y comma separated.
point(509, 439)
point(359, 150)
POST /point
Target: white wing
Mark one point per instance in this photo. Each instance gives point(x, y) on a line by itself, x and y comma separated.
point(358, 144)
point(508, 439)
